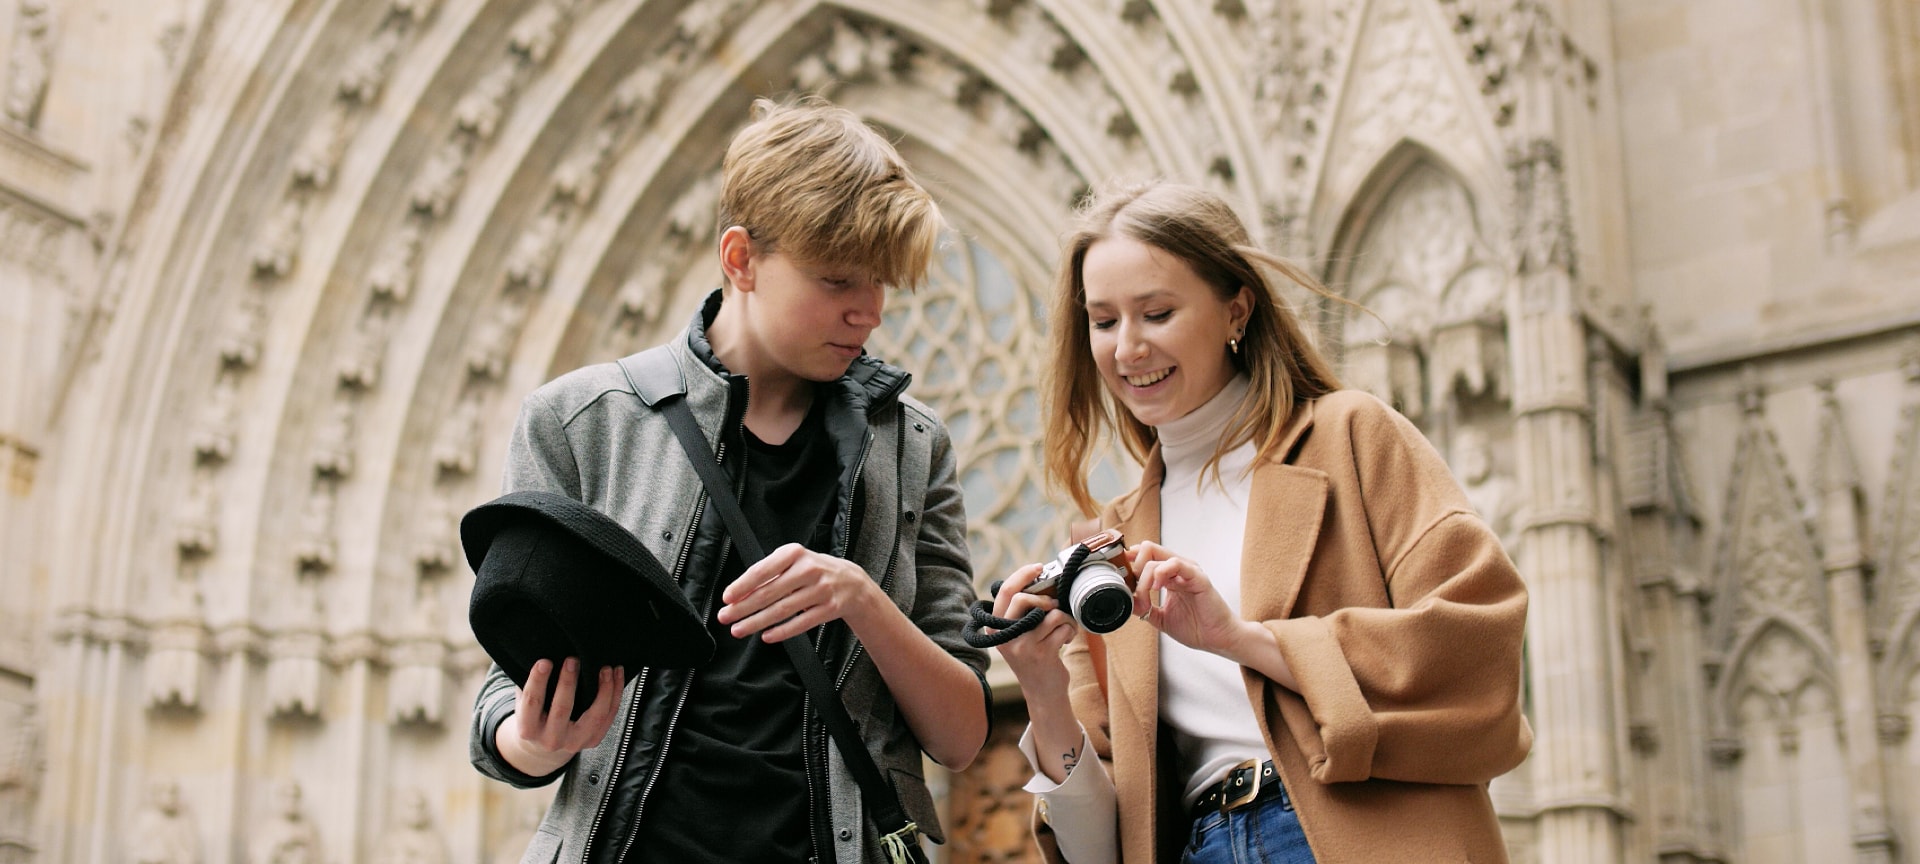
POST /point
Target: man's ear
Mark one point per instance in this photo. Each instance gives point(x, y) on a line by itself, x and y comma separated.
point(736, 257)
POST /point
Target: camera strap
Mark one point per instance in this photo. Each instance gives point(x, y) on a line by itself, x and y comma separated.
point(899, 836)
point(1008, 629)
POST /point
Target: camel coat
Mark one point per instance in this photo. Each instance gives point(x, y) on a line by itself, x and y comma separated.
point(1399, 614)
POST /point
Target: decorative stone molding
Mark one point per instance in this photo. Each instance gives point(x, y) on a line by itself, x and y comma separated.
point(30, 62)
point(177, 646)
point(296, 668)
point(1894, 729)
point(278, 249)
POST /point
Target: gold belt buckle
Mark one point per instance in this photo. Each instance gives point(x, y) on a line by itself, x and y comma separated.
point(1229, 801)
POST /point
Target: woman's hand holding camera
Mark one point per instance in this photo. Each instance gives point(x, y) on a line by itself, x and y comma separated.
point(1034, 657)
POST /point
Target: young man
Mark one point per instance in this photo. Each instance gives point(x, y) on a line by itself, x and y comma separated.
point(848, 482)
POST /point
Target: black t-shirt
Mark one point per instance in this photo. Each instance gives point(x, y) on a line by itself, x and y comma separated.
point(733, 787)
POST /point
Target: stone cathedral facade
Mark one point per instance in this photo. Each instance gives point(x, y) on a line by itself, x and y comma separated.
point(275, 273)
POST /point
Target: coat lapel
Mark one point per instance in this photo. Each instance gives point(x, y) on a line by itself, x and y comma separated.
point(1133, 651)
point(1273, 562)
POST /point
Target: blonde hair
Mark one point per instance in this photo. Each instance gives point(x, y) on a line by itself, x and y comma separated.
point(812, 180)
point(1199, 228)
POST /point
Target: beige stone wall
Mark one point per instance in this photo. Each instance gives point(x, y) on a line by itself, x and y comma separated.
point(273, 275)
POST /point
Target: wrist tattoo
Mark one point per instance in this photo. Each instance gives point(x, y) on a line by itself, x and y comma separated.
point(1070, 758)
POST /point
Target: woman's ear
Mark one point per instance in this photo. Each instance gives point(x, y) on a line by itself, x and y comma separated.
point(736, 257)
point(1240, 310)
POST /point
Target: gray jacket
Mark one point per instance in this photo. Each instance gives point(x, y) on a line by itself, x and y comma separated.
point(899, 513)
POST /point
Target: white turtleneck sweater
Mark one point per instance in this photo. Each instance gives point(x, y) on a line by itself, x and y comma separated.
point(1203, 519)
point(1202, 696)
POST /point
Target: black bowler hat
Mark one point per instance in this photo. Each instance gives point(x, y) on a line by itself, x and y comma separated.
point(555, 578)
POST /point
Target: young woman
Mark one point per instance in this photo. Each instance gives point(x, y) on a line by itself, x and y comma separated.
point(1327, 666)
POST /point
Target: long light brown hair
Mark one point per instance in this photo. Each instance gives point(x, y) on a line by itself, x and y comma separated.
point(1197, 227)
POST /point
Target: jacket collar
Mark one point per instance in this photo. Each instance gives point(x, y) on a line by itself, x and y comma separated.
point(869, 385)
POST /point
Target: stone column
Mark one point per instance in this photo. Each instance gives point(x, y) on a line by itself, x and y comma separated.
point(1838, 484)
point(1575, 758)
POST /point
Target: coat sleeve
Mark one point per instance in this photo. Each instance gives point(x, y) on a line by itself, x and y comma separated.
point(1427, 689)
point(538, 457)
point(945, 572)
point(1090, 708)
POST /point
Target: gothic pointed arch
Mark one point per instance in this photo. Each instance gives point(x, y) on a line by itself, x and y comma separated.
point(1416, 249)
point(1767, 565)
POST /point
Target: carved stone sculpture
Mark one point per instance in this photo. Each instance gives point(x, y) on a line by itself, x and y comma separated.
point(288, 836)
point(31, 63)
point(412, 840)
point(163, 831)
point(1492, 493)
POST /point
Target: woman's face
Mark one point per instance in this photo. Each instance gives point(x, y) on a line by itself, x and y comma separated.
point(1158, 332)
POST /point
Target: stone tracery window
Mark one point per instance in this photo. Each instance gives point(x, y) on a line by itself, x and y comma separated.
point(974, 339)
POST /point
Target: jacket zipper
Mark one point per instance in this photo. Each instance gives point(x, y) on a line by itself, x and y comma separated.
point(639, 689)
point(686, 687)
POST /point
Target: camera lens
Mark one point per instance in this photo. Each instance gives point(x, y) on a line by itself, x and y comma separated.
point(1100, 601)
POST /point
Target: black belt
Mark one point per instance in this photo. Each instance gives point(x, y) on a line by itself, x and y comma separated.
point(1246, 784)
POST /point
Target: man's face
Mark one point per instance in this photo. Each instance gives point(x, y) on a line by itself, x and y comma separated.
point(808, 320)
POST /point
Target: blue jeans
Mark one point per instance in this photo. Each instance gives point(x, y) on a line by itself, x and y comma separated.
point(1266, 832)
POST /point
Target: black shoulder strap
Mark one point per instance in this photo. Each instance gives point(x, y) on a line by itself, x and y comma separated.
point(660, 386)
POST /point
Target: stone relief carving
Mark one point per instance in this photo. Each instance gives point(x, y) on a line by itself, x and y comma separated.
point(530, 263)
point(288, 836)
point(295, 668)
point(196, 529)
point(643, 296)
point(691, 219)
point(367, 68)
point(478, 113)
point(438, 184)
point(536, 34)
point(365, 352)
point(391, 278)
point(320, 153)
point(163, 831)
point(705, 23)
point(30, 63)
point(1898, 586)
point(456, 449)
point(315, 549)
point(1767, 561)
point(333, 444)
point(1546, 231)
point(415, 11)
point(240, 338)
point(413, 839)
point(278, 247)
point(1401, 76)
point(1491, 492)
point(437, 549)
point(22, 771)
point(491, 347)
point(219, 424)
point(173, 664)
